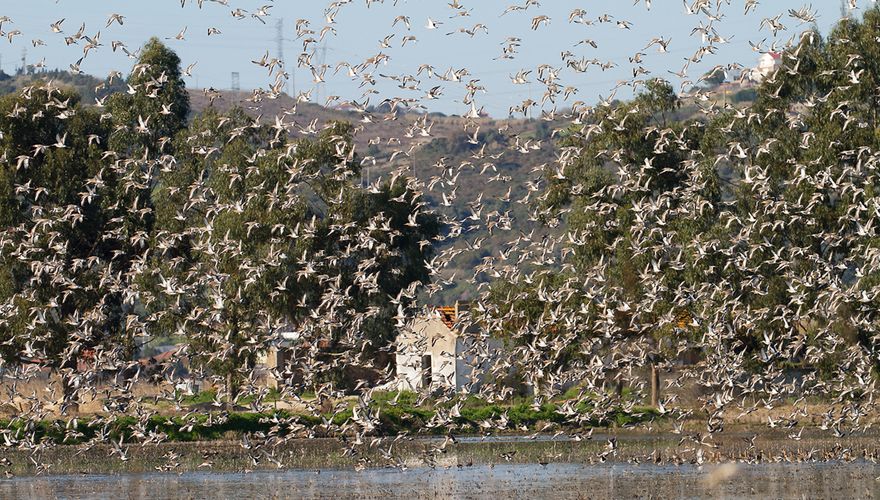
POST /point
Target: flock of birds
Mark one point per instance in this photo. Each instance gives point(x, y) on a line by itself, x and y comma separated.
point(607, 354)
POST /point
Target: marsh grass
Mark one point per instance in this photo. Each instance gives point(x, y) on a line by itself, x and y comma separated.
point(395, 414)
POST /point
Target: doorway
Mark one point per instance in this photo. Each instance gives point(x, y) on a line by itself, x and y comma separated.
point(426, 371)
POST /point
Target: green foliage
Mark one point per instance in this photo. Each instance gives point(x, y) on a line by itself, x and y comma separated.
point(714, 77)
point(53, 197)
point(622, 174)
point(256, 231)
point(812, 121)
point(397, 413)
point(744, 96)
point(223, 231)
point(149, 116)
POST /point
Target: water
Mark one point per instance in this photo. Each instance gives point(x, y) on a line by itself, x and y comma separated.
point(823, 480)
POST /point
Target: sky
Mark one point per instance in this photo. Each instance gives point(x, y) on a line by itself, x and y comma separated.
point(360, 25)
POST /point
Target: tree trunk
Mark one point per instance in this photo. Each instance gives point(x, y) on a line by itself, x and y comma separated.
point(230, 391)
point(230, 371)
point(655, 386)
point(70, 398)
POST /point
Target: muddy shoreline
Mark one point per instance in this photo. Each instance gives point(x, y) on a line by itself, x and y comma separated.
point(254, 454)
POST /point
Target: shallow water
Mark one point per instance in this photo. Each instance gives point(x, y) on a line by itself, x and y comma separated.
point(824, 480)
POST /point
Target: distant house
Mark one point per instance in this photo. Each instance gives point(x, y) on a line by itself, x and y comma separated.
point(766, 65)
point(283, 363)
point(170, 363)
point(435, 353)
point(277, 360)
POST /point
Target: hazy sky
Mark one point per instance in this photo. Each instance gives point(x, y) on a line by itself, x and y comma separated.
point(360, 28)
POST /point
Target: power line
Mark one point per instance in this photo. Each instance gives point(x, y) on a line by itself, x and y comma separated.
point(236, 82)
point(322, 60)
point(279, 41)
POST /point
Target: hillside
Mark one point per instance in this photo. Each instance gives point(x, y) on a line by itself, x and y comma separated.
point(496, 163)
point(87, 86)
point(497, 167)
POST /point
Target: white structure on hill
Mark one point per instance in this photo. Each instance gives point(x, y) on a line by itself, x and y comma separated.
point(767, 64)
point(435, 354)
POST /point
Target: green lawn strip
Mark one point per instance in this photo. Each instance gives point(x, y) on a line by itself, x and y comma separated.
point(395, 414)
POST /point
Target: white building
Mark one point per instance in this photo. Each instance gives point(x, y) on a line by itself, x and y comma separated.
point(435, 354)
point(276, 359)
point(767, 64)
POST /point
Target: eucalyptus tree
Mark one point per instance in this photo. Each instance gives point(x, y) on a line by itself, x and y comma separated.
point(155, 107)
point(636, 191)
point(258, 234)
point(220, 256)
point(57, 272)
point(802, 276)
point(143, 122)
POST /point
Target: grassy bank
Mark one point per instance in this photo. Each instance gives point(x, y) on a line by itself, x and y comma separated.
point(389, 414)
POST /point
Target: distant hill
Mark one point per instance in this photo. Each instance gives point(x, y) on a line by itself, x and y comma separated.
point(87, 86)
point(505, 158)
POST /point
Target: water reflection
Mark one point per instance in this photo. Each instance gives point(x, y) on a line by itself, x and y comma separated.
point(827, 480)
